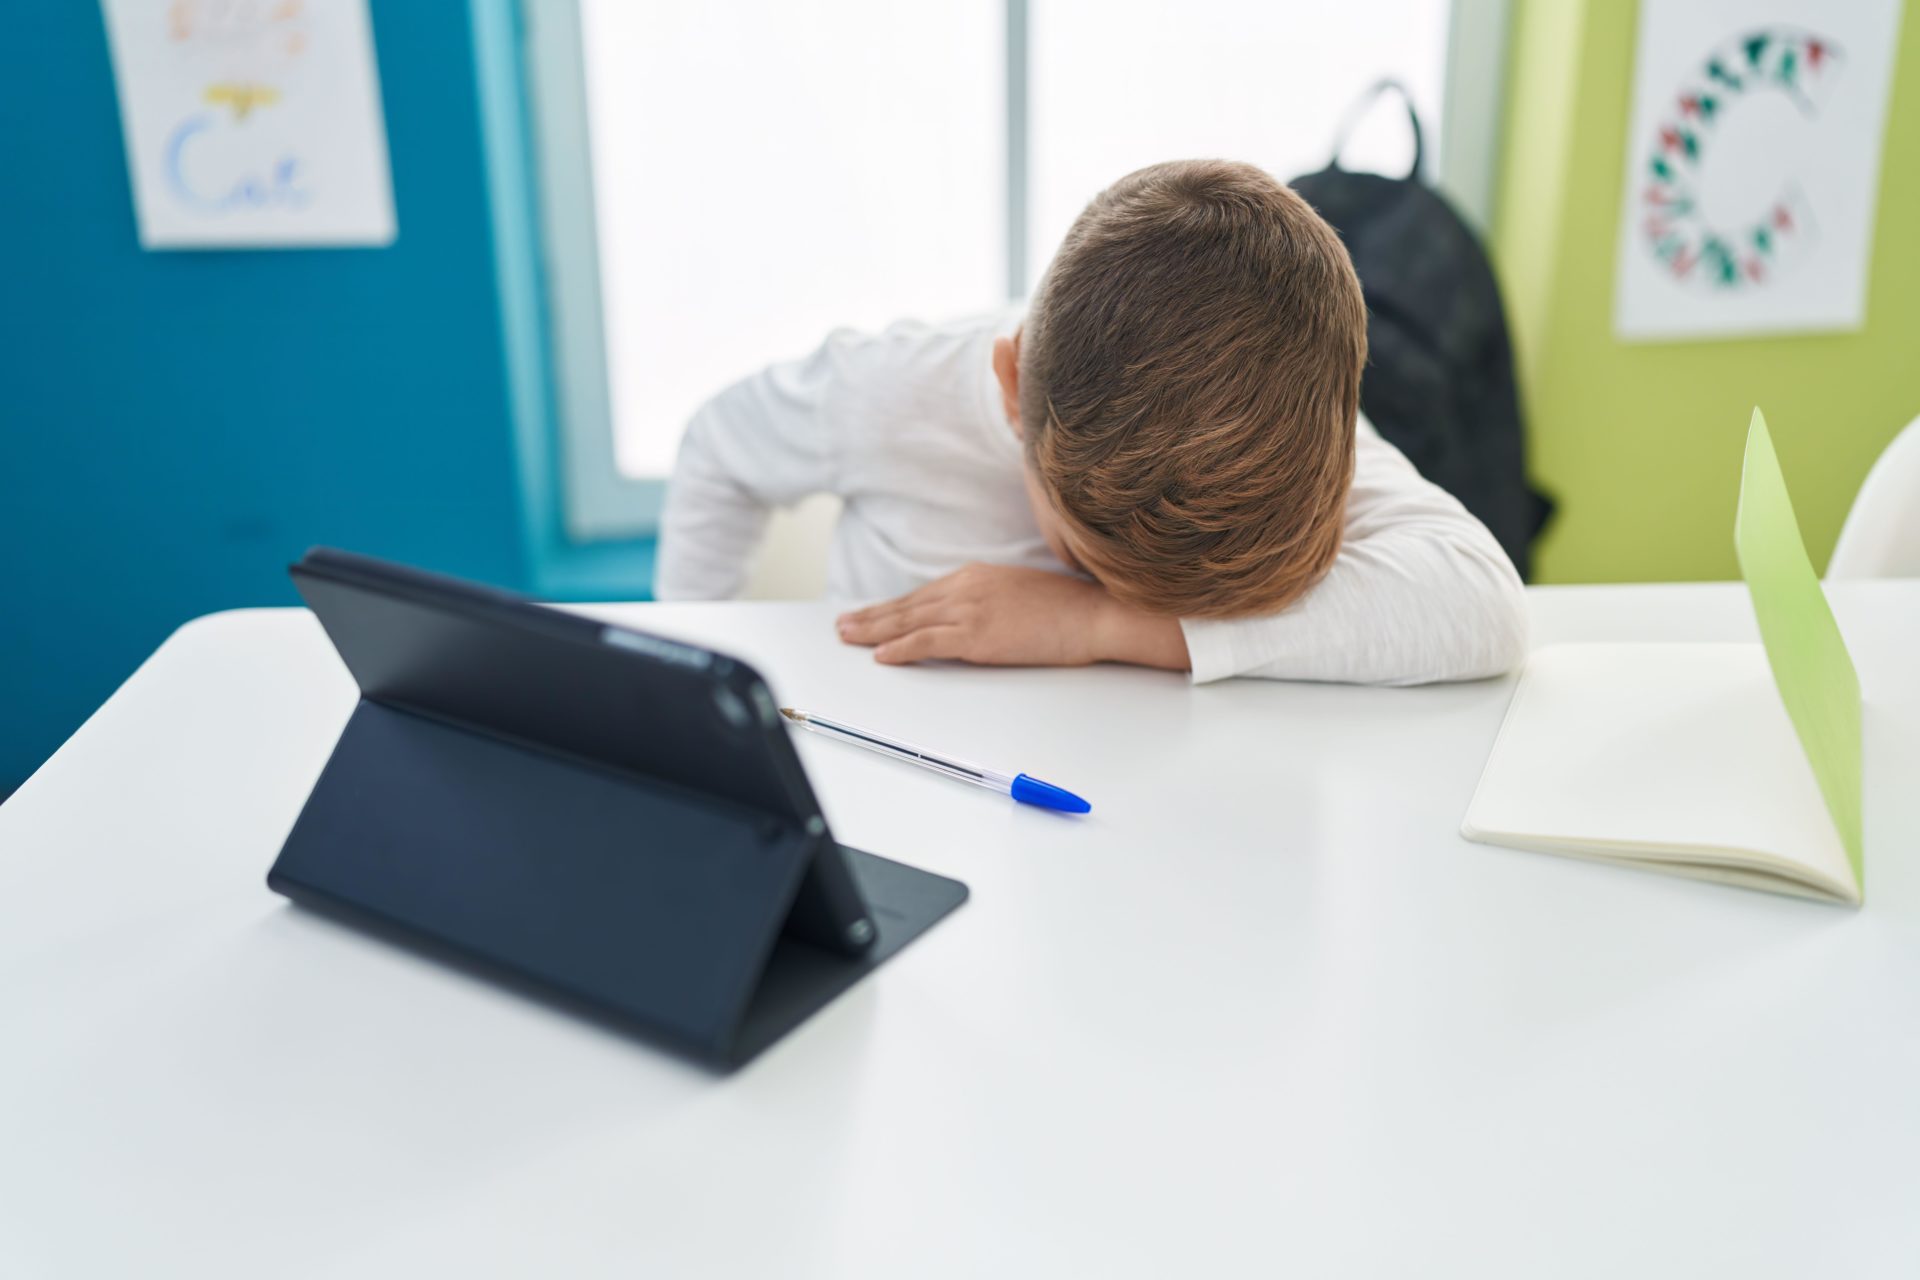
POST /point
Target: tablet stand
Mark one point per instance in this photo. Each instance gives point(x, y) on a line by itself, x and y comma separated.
point(656, 905)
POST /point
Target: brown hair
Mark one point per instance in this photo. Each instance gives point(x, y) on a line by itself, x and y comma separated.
point(1189, 380)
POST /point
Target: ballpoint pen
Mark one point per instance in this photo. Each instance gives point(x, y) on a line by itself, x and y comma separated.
point(1025, 789)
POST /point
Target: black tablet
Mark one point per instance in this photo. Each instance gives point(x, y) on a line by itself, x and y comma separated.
point(662, 710)
point(610, 812)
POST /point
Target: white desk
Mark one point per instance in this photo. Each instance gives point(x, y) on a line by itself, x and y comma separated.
point(1264, 1014)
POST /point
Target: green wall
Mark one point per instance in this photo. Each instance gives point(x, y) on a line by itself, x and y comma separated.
point(1641, 442)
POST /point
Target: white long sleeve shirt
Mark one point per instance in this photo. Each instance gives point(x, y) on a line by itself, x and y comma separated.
point(907, 427)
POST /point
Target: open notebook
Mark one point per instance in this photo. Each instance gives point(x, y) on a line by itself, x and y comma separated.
point(1731, 762)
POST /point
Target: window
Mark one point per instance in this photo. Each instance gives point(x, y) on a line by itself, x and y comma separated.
point(1117, 84)
point(767, 170)
point(726, 183)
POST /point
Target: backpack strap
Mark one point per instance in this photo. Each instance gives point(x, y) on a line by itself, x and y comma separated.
point(1358, 112)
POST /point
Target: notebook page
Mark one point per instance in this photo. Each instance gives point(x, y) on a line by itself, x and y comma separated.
point(1656, 750)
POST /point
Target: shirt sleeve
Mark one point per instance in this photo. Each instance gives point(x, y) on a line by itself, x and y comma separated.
point(1420, 592)
point(765, 442)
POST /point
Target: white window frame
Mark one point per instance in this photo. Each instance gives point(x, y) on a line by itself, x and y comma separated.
point(599, 501)
point(1473, 103)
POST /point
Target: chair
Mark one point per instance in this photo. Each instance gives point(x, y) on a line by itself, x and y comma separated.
point(1881, 538)
point(791, 563)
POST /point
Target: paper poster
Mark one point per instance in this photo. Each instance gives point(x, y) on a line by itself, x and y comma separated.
point(251, 123)
point(1753, 166)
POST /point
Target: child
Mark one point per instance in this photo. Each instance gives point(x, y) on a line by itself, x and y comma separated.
point(1161, 462)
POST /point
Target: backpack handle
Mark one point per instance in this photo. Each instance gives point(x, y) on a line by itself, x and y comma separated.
point(1358, 112)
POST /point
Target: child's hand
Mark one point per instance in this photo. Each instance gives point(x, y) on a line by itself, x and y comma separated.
point(997, 615)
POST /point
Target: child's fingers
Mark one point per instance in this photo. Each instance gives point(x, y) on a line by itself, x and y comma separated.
point(875, 612)
point(919, 646)
point(887, 626)
point(862, 628)
point(932, 591)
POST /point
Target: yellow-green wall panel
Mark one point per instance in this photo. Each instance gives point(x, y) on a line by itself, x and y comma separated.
point(1640, 442)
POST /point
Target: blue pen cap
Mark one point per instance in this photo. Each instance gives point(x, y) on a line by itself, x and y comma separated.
point(1030, 790)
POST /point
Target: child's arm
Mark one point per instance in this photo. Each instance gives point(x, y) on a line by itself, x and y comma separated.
point(1420, 592)
point(762, 443)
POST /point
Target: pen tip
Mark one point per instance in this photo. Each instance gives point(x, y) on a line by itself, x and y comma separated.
point(791, 714)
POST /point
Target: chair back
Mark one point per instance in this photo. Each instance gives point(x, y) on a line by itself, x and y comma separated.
point(1881, 538)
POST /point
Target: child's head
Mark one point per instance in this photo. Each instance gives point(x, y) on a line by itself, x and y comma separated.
point(1187, 382)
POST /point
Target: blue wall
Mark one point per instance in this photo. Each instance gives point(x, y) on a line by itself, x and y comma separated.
point(175, 427)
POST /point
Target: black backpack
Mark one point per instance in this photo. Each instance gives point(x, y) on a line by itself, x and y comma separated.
point(1439, 382)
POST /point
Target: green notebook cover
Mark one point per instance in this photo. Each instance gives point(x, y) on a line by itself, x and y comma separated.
point(1809, 659)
